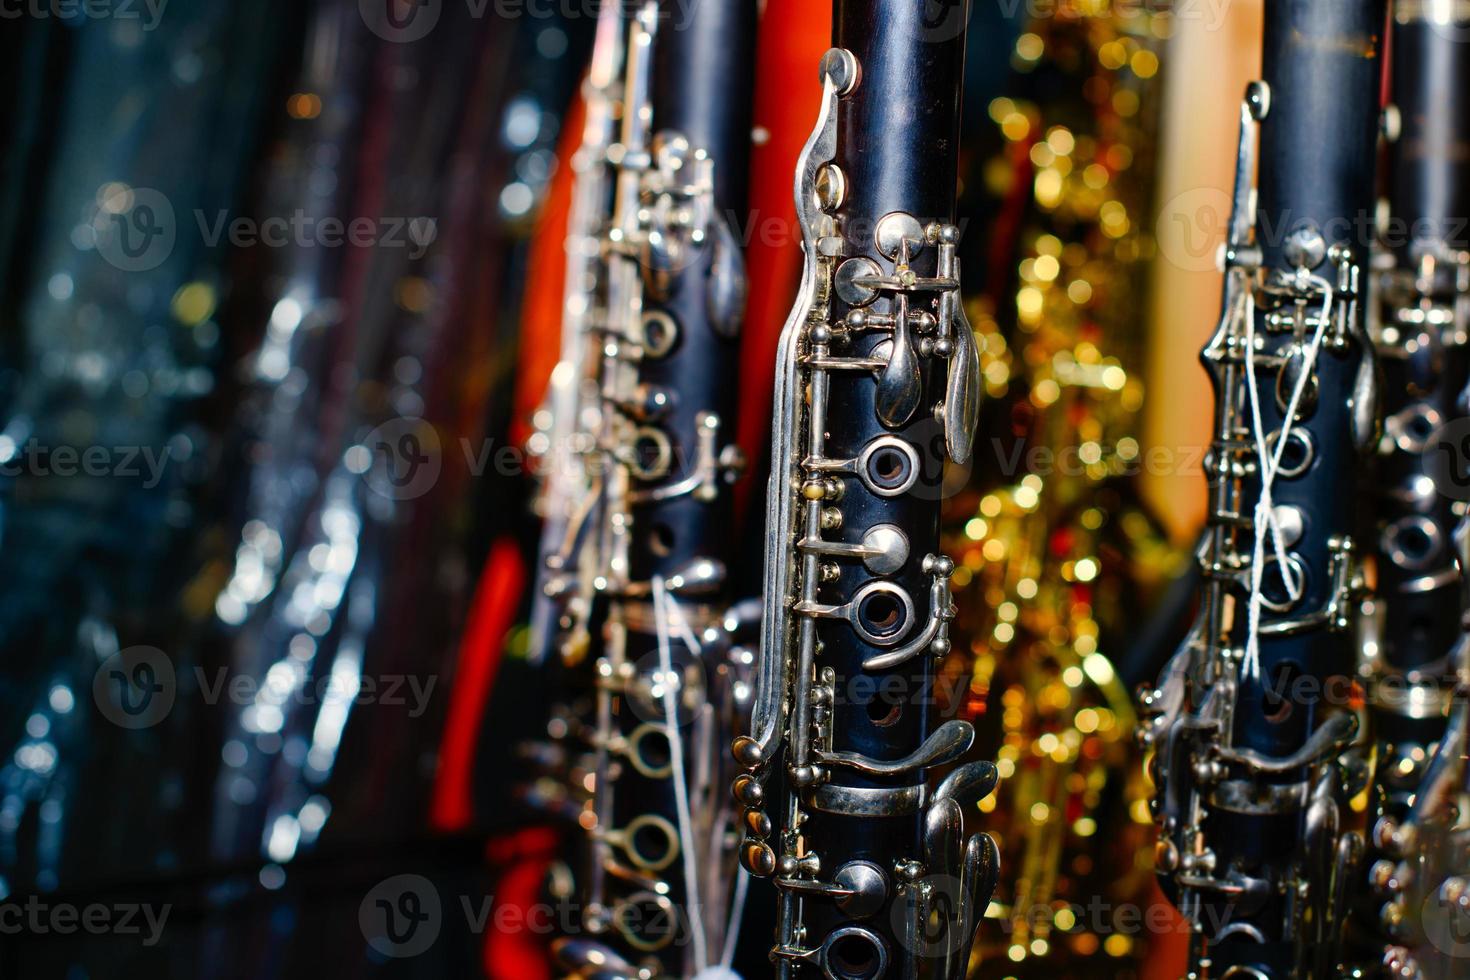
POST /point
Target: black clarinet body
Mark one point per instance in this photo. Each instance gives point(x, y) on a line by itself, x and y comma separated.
point(1251, 719)
point(877, 385)
point(1421, 341)
point(1427, 916)
point(1316, 192)
point(661, 628)
point(702, 121)
point(1423, 314)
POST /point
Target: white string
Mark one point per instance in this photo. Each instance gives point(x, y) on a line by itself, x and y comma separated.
point(742, 879)
point(737, 911)
point(661, 606)
point(1270, 462)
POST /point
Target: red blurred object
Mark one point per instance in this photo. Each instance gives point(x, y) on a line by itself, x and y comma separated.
point(505, 576)
point(541, 309)
point(1169, 950)
point(492, 614)
point(521, 953)
point(793, 36)
point(523, 858)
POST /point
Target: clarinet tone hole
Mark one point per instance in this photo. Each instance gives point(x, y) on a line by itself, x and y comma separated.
point(651, 454)
point(1275, 589)
point(1243, 973)
point(661, 540)
point(882, 614)
point(659, 333)
point(650, 753)
point(854, 953)
point(647, 921)
point(651, 842)
point(1298, 455)
point(1276, 702)
point(1412, 429)
point(882, 713)
point(1413, 542)
point(889, 466)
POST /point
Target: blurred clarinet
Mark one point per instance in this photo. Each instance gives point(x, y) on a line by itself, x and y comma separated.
point(562, 444)
point(1247, 748)
point(877, 383)
point(1429, 914)
point(1423, 306)
point(656, 294)
point(564, 450)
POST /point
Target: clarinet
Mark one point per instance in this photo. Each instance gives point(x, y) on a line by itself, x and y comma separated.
point(562, 448)
point(560, 444)
point(669, 672)
point(876, 383)
point(1421, 334)
point(1246, 749)
point(1429, 914)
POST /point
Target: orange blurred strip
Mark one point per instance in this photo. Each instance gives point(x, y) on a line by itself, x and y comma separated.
point(793, 36)
point(541, 311)
point(1169, 952)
